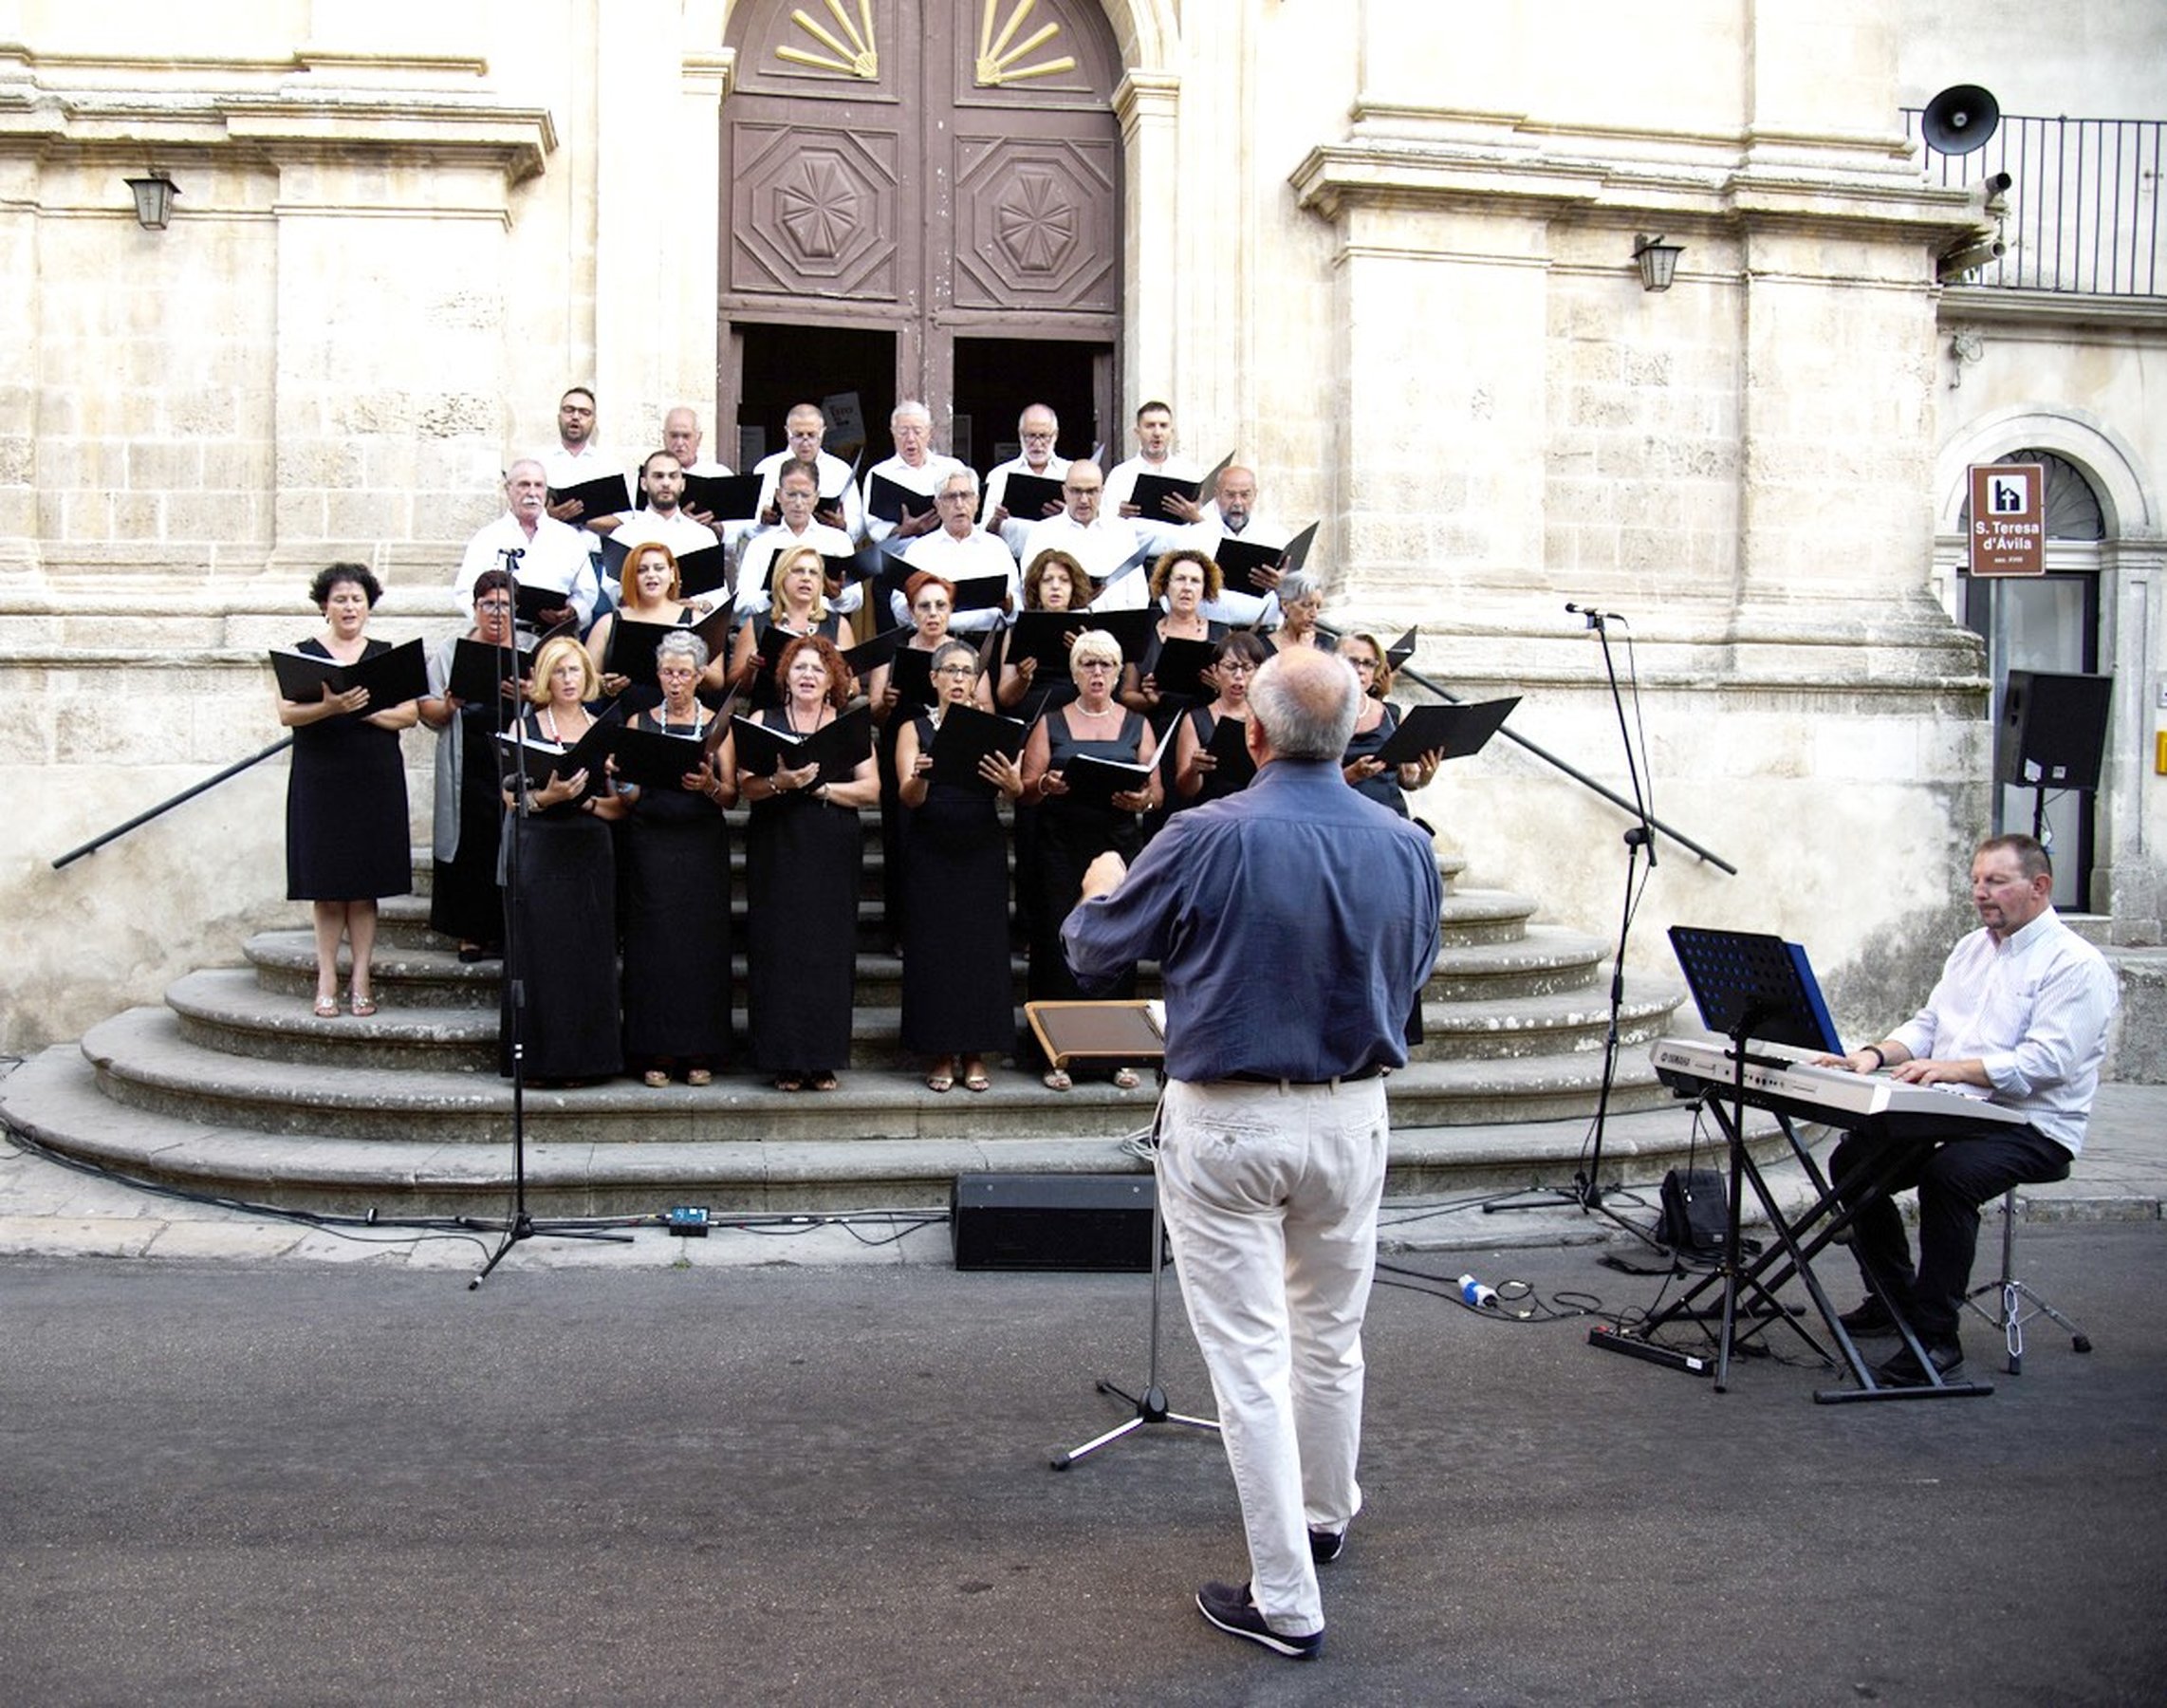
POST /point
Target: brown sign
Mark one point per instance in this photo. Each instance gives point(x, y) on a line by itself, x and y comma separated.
point(2009, 519)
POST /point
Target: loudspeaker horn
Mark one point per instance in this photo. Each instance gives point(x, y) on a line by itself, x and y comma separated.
point(1961, 120)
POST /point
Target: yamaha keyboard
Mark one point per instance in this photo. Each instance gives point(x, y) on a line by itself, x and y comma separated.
point(1868, 1102)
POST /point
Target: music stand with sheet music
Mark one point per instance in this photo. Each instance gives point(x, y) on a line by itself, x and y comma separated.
point(1125, 1031)
point(1756, 988)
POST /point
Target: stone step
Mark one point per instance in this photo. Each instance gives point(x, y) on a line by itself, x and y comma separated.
point(225, 1010)
point(144, 1061)
point(769, 1164)
point(1539, 961)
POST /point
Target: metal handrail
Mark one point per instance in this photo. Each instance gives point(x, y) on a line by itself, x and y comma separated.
point(189, 794)
point(1680, 837)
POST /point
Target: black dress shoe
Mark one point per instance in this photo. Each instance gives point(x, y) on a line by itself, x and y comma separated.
point(1234, 1613)
point(1903, 1370)
point(1327, 1544)
point(1870, 1318)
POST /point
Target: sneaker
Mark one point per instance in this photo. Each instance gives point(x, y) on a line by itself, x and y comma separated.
point(1234, 1612)
point(1903, 1370)
point(1872, 1317)
point(1326, 1546)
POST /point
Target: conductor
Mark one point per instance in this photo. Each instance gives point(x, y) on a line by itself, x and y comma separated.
point(1293, 924)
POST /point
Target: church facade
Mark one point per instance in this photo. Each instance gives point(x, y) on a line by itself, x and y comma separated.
point(1382, 252)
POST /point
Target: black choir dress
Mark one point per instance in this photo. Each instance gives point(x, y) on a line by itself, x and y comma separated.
point(1164, 715)
point(803, 865)
point(346, 836)
point(673, 853)
point(766, 691)
point(1042, 697)
point(562, 941)
point(957, 996)
point(1070, 837)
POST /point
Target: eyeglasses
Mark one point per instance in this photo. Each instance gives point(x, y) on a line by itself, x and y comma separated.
point(1363, 663)
point(956, 670)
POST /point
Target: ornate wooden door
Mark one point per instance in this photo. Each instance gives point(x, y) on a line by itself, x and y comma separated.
point(938, 168)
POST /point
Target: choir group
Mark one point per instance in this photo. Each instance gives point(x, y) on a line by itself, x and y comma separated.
point(1050, 661)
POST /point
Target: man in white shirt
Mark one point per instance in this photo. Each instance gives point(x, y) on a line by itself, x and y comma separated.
point(797, 495)
point(1102, 544)
point(1155, 456)
point(960, 551)
point(839, 505)
point(548, 554)
point(1038, 427)
point(663, 522)
point(576, 457)
point(1231, 515)
point(915, 467)
point(2019, 1015)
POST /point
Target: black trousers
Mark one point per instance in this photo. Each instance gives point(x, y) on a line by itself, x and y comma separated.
point(1953, 1178)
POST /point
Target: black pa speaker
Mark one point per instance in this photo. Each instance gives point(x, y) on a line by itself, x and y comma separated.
point(1052, 1221)
point(2054, 730)
point(1961, 120)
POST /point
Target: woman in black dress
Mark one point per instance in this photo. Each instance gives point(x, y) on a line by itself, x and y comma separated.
point(799, 582)
point(464, 901)
point(1182, 581)
point(1301, 602)
point(561, 894)
point(1055, 581)
point(1373, 727)
point(956, 993)
point(1197, 774)
point(674, 890)
point(346, 839)
point(1071, 834)
point(804, 852)
point(647, 587)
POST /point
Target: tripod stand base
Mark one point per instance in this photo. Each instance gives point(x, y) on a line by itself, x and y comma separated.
point(1149, 1408)
point(524, 1227)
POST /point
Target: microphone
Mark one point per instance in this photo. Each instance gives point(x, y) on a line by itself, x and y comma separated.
point(1594, 619)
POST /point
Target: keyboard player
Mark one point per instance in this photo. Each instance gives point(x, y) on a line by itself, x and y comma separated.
point(2020, 1011)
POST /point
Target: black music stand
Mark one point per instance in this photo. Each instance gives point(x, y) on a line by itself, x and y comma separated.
point(1117, 1031)
point(1757, 989)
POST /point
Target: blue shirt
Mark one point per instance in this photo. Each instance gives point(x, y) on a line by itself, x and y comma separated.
point(1293, 924)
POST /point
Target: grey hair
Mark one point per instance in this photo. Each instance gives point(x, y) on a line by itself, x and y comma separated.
point(1293, 697)
point(1298, 583)
point(947, 647)
point(681, 640)
point(910, 406)
point(962, 472)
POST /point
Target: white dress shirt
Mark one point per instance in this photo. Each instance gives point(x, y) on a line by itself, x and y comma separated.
point(2034, 1009)
point(835, 487)
point(1159, 534)
point(925, 480)
point(1101, 549)
point(557, 557)
point(977, 554)
point(1016, 529)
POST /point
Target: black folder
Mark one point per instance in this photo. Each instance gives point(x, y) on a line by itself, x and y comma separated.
point(392, 678)
point(654, 760)
point(888, 499)
point(1151, 491)
point(1179, 672)
point(589, 754)
point(479, 669)
point(1044, 636)
point(1239, 559)
point(868, 655)
point(1400, 650)
point(1229, 747)
point(909, 673)
point(703, 571)
point(838, 747)
point(726, 497)
point(1456, 730)
point(1094, 782)
point(610, 495)
point(967, 735)
point(1026, 496)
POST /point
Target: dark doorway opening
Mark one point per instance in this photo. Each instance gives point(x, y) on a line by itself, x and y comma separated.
point(849, 371)
point(997, 378)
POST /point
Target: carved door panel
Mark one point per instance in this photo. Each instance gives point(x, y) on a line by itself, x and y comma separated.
point(931, 167)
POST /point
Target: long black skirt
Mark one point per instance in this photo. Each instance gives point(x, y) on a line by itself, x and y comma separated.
point(562, 949)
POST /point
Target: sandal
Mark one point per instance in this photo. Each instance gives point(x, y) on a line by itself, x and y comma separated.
point(940, 1082)
point(654, 1079)
point(978, 1082)
point(1057, 1079)
point(1124, 1079)
point(824, 1080)
point(788, 1082)
point(327, 1007)
point(363, 1005)
point(699, 1076)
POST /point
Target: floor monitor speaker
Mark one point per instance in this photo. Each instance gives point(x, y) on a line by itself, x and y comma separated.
point(1052, 1222)
point(2054, 730)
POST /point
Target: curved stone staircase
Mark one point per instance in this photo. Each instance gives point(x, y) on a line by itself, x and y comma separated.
point(234, 1086)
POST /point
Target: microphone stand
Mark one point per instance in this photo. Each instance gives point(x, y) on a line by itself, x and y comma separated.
point(518, 1225)
point(1587, 1191)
